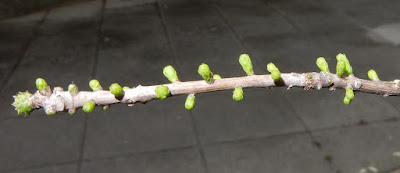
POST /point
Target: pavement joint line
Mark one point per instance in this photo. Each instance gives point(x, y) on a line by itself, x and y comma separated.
point(224, 19)
point(44, 165)
point(95, 59)
point(198, 145)
point(284, 16)
point(132, 154)
point(24, 50)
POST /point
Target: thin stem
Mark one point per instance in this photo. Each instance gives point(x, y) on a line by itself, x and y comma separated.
point(63, 100)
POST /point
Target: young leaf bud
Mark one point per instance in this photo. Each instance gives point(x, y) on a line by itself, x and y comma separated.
point(276, 75)
point(271, 67)
point(217, 76)
point(22, 103)
point(342, 57)
point(245, 62)
point(73, 89)
point(238, 94)
point(95, 85)
point(346, 100)
point(170, 73)
point(162, 92)
point(88, 106)
point(189, 103)
point(205, 72)
point(349, 93)
point(340, 66)
point(41, 84)
point(50, 111)
point(322, 64)
point(373, 75)
point(116, 89)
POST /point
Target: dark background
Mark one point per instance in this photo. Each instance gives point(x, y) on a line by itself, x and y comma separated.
point(129, 42)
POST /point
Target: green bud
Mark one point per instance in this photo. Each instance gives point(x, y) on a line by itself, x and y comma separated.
point(125, 88)
point(238, 94)
point(398, 84)
point(271, 67)
point(205, 72)
point(322, 64)
point(88, 106)
point(73, 89)
point(95, 85)
point(50, 111)
point(116, 89)
point(162, 92)
point(245, 62)
point(189, 103)
point(106, 107)
point(373, 75)
point(342, 57)
point(170, 73)
point(346, 100)
point(340, 66)
point(349, 93)
point(217, 76)
point(22, 103)
point(276, 75)
point(41, 84)
point(72, 111)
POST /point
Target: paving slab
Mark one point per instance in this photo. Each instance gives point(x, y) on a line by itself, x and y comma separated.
point(158, 125)
point(286, 153)
point(198, 36)
point(322, 109)
point(33, 142)
point(261, 113)
point(358, 147)
point(134, 48)
point(62, 52)
point(184, 160)
point(68, 168)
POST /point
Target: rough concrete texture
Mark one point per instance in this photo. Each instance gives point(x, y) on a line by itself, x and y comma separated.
point(271, 130)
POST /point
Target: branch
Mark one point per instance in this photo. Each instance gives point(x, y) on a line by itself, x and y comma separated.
point(57, 100)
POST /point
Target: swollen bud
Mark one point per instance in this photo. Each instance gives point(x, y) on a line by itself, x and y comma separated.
point(41, 84)
point(88, 106)
point(245, 62)
point(217, 76)
point(276, 75)
point(340, 66)
point(373, 75)
point(349, 96)
point(162, 92)
point(50, 111)
point(95, 85)
point(271, 67)
point(205, 72)
point(238, 94)
point(342, 57)
point(322, 64)
point(22, 103)
point(116, 89)
point(73, 89)
point(170, 73)
point(189, 103)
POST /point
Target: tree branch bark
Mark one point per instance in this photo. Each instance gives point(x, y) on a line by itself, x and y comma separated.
point(60, 100)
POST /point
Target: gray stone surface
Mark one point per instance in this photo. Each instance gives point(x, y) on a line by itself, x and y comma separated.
point(286, 153)
point(178, 161)
point(358, 147)
point(68, 168)
point(271, 130)
point(124, 130)
point(31, 142)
